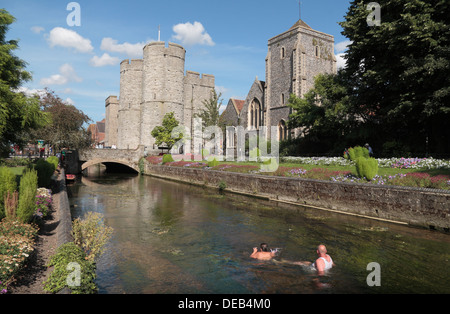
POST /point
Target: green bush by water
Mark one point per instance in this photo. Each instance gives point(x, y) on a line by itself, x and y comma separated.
point(54, 161)
point(58, 280)
point(366, 167)
point(27, 196)
point(167, 158)
point(7, 184)
point(356, 152)
point(45, 171)
point(213, 163)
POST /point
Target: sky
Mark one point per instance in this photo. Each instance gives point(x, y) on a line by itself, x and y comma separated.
point(75, 48)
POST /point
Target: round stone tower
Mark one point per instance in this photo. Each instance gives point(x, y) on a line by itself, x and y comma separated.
point(129, 104)
point(162, 86)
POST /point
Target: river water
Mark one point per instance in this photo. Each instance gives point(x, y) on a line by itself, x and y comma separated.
point(174, 238)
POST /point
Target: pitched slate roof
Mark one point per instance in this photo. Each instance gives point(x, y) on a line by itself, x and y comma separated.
point(300, 23)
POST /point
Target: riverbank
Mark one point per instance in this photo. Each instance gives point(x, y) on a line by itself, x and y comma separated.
point(425, 208)
point(53, 232)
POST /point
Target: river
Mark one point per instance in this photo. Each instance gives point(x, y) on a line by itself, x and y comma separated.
point(175, 238)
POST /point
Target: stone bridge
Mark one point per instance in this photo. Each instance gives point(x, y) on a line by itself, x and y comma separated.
point(127, 157)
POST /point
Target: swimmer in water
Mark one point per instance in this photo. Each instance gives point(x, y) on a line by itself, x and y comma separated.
point(264, 254)
point(323, 262)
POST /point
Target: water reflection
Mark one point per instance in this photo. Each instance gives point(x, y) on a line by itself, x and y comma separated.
point(178, 238)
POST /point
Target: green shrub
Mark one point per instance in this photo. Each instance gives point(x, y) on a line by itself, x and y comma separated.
point(45, 171)
point(205, 154)
point(366, 167)
point(68, 257)
point(7, 184)
point(255, 154)
point(27, 196)
point(91, 235)
point(358, 151)
point(222, 185)
point(213, 163)
point(167, 158)
point(54, 161)
point(142, 165)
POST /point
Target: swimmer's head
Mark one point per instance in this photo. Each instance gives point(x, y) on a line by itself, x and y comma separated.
point(321, 249)
point(264, 247)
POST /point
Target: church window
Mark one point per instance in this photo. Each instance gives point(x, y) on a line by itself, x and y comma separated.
point(283, 52)
point(282, 131)
point(254, 115)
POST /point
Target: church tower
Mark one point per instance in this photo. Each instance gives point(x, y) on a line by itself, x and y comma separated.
point(294, 59)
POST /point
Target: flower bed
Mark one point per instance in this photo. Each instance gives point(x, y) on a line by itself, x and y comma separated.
point(43, 202)
point(17, 242)
point(292, 167)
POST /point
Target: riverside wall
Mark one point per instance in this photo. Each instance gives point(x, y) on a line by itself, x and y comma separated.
point(427, 208)
point(64, 228)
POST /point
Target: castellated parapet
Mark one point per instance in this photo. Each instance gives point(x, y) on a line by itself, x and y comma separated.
point(154, 86)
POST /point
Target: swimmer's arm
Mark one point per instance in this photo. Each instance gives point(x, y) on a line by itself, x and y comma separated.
point(255, 250)
point(301, 263)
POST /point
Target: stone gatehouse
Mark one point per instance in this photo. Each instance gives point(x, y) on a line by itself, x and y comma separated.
point(149, 89)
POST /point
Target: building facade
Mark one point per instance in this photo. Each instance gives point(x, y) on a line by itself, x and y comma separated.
point(149, 89)
point(294, 59)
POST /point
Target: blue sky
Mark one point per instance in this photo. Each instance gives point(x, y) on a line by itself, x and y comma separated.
point(225, 38)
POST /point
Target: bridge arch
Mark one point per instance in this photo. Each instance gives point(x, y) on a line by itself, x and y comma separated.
point(96, 161)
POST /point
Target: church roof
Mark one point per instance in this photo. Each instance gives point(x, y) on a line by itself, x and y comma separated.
point(238, 104)
point(300, 23)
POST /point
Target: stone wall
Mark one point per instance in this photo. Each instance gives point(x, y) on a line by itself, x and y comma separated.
point(111, 120)
point(416, 207)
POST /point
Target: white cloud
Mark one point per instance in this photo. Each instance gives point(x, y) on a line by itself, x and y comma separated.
point(70, 39)
point(192, 34)
point(66, 74)
point(340, 61)
point(69, 101)
point(104, 60)
point(37, 29)
point(340, 49)
point(342, 46)
point(221, 89)
point(131, 50)
point(31, 92)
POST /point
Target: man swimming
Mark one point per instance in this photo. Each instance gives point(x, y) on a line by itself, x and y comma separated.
point(322, 263)
point(264, 254)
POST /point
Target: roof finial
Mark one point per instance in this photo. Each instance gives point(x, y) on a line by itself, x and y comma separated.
point(300, 9)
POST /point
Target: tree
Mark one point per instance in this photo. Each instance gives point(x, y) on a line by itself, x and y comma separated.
point(163, 134)
point(68, 124)
point(19, 114)
point(399, 70)
point(211, 113)
point(325, 114)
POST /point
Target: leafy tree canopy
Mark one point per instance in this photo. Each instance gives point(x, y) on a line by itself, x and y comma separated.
point(163, 134)
point(67, 128)
point(19, 114)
